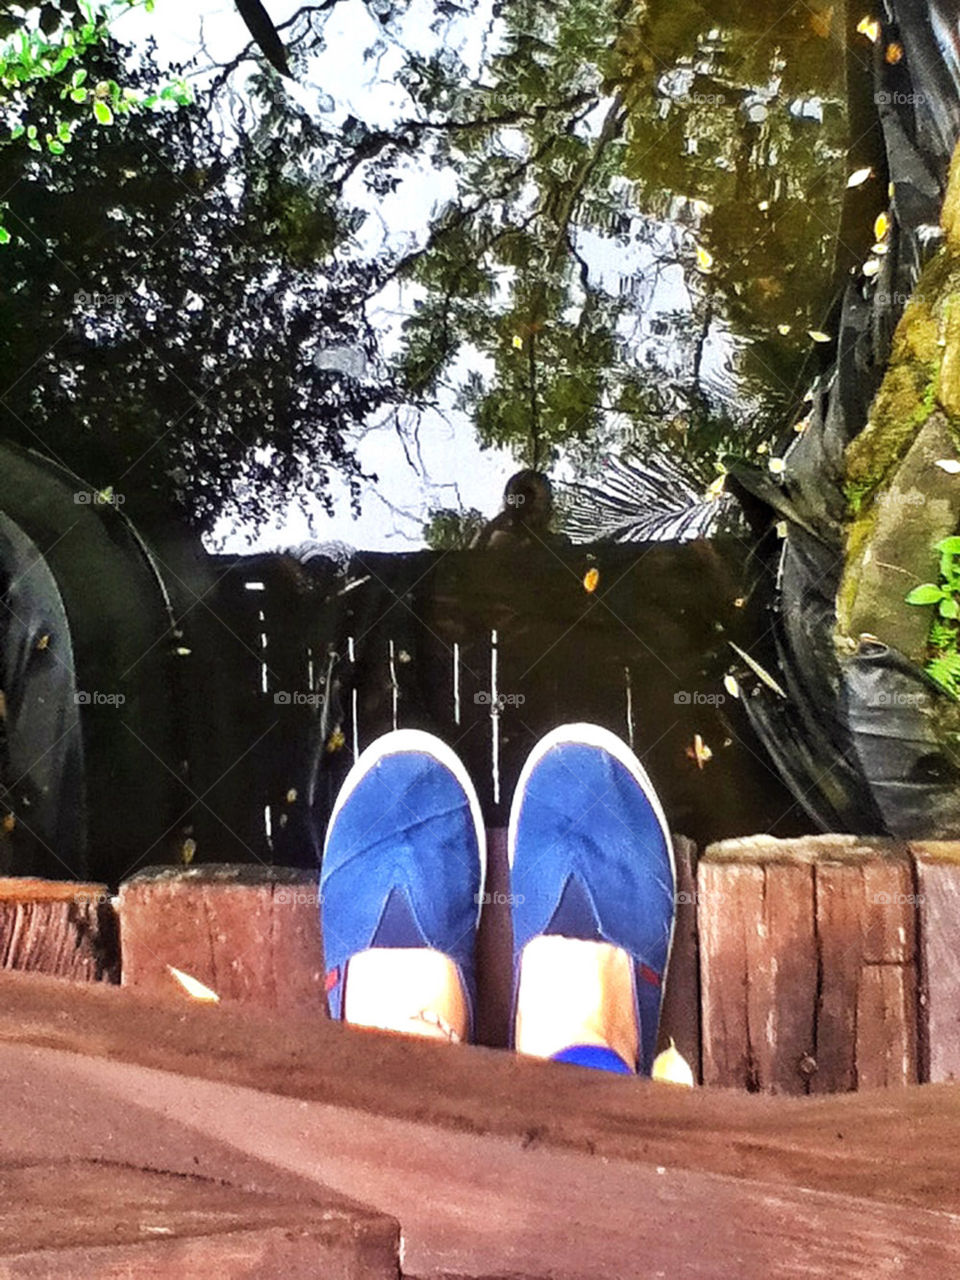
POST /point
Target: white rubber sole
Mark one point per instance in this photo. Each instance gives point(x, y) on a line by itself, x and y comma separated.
point(416, 741)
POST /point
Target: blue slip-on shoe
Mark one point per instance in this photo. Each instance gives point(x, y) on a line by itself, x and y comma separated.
point(404, 860)
point(591, 857)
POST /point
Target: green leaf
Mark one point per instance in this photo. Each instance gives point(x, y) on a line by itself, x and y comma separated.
point(55, 147)
point(950, 545)
point(78, 77)
point(103, 113)
point(949, 608)
point(17, 132)
point(928, 593)
point(79, 95)
point(4, 235)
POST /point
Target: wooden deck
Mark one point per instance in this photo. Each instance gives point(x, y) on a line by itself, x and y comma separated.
point(493, 1165)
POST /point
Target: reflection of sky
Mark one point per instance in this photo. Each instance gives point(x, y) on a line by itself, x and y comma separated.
point(436, 463)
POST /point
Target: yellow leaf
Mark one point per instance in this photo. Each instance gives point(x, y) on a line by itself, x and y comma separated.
point(893, 53)
point(870, 28)
point(704, 259)
point(715, 487)
point(777, 466)
point(881, 226)
point(187, 850)
point(699, 752)
point(871, 267)
point(671, 1067)
point(731, 686)
point(44, 641)
point(9, 822)
point(590, 579)
point(859, 177)
point(336, 740)
point(783, 328)
point(819, 336)
point(193, 986)
point(291, 795)
point(517, 340)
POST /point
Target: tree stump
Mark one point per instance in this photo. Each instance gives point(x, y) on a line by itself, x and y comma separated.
point(808, 964)
point(247, 933)
point(938, 892)
point(61, 928)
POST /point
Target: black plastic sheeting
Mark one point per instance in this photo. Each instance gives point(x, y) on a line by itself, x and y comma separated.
point(854, 736)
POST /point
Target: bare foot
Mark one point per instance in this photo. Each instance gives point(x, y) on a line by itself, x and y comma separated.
point(413, 990)
point(575, 992)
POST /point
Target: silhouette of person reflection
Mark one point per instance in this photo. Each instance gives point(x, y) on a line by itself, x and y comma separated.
point(526, 516)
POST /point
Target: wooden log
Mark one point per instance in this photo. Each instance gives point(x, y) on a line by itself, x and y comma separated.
point(680, 1012)
point(248, 933)
point(88, 1219)
point(808, 964)
point(62, 928)
point(937, 864)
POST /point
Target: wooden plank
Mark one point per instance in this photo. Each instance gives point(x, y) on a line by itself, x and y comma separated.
point(62, 928)
point(680, 1012)
point(758, 975)
point(808, 964)
point(250, 934)
point(887, 1153)
point(866, 1016)
point(937, 864)
point(90, 1219)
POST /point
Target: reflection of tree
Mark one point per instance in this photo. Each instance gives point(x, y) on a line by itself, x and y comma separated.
point(163, 309)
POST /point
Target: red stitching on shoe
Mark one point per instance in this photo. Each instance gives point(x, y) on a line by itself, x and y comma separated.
point(333, 977)
point(649, 975)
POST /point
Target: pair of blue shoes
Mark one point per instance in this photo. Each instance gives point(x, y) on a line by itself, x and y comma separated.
point(404, 861)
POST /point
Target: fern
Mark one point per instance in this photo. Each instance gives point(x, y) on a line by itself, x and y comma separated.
point(944, 670)
point(943, 635)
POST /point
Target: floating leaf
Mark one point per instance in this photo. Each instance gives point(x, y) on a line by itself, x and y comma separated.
point(822, 23)
point(590, 579)
point(336, 740)
point(715, 488)
point(187, 850)
point(881, 226)
point(671, 1067)
point(777, 466)
point(801, 426)
point(870, 28)
point(871, 267)
point(783, 328)
point(704, 259)
point(193, 986)
point(859, 177)
point(731, 686)
point(949, 465)
point(819, 336)
point(517, 341)
point(757, 670)
point(893, 53)
point(292, 795)
point(699, 752)
point(43, 642)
